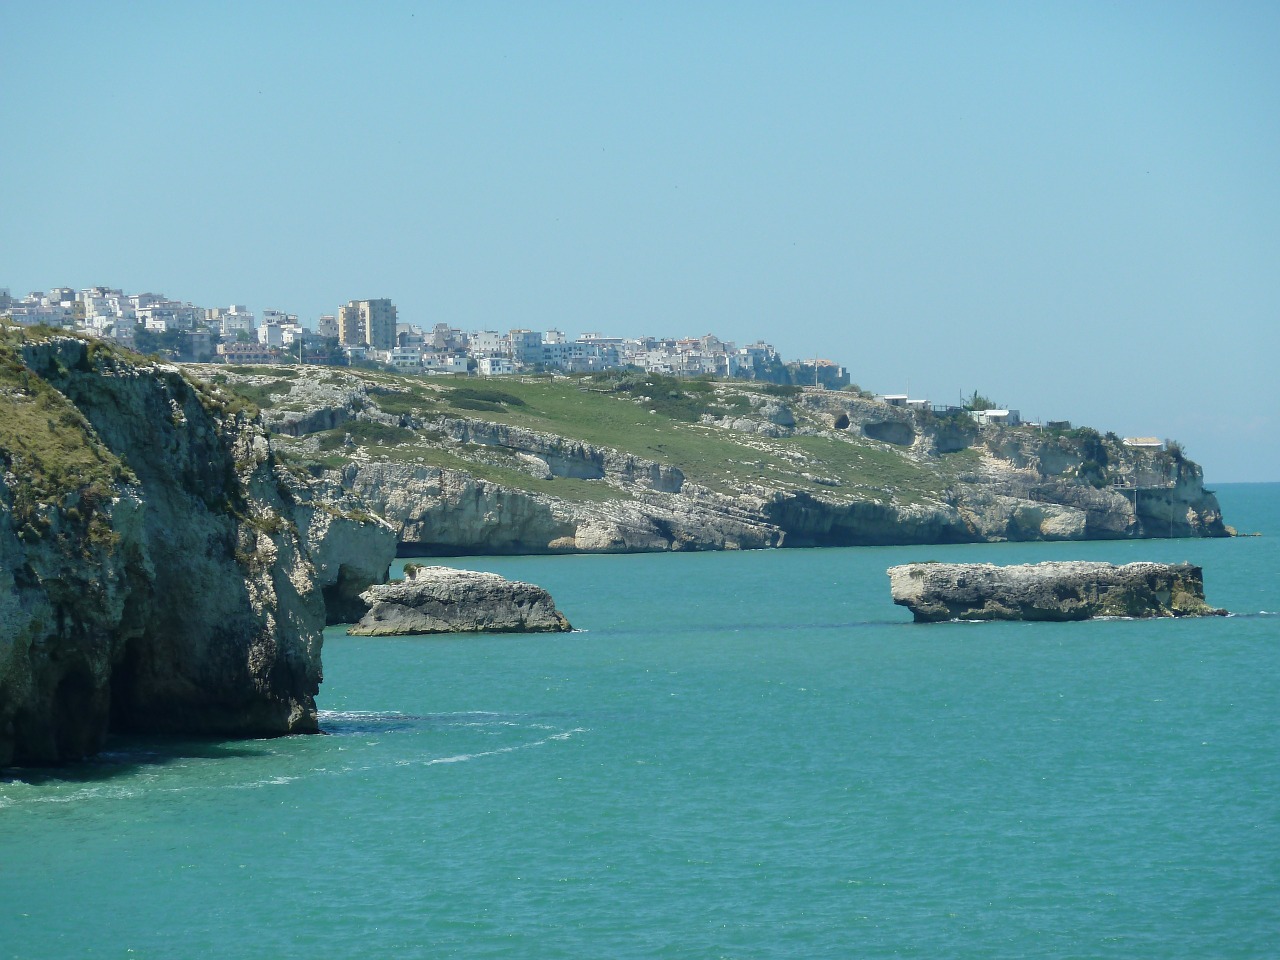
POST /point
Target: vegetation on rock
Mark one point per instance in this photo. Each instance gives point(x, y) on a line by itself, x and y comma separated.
point(63, 476)
point(545, 436)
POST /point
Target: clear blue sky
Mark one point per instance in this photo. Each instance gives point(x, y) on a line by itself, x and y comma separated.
point(1071, 207)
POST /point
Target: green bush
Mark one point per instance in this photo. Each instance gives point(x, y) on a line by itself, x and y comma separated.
point(978, 402)
point(782, 390)
point(365, 433)
point(397, 403)
point(465, 396)
point(485, 406)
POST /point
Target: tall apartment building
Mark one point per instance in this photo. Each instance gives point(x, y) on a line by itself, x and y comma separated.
point(371, 322)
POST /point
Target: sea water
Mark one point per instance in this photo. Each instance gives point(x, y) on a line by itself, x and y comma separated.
point(737, 755)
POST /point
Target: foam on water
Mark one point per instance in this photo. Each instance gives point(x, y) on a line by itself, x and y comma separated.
point(463, 757)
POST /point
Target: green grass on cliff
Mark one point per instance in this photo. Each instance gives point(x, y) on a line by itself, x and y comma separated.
point(61, 465)
point(724, 459)
point(480, 462)
point(655, 418)
point(718, 458)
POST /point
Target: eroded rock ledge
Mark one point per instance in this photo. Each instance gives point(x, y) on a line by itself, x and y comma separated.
point(160, 571)
point(1073, 590)
point(444, 600)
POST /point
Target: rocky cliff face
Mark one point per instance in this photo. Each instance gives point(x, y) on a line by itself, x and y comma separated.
point(441, 512)
point(880, 475)
point(153, 576)
point(348, 547)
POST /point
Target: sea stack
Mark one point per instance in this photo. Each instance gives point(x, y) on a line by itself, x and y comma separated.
point(445, 600)
point(1072, 590)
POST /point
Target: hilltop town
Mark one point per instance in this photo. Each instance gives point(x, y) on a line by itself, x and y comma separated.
point(370, 332)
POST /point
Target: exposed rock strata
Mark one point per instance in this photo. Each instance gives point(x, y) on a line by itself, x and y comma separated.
point(348, 549)
point(564, 457)
point(1075, 590)
point(444, 600)
point(175, 593)
point(450, 513)
point(1016, 484)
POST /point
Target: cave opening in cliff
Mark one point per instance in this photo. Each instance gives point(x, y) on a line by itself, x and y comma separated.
point(124, 685)
point(75, 703)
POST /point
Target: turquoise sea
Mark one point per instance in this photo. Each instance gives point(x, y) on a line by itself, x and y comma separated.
point(738, 755)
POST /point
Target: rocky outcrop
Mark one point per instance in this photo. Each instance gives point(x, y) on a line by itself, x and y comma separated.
point(444, 600)
point(315, 403)
point(153, 576)
point(1119, 493)
point(896, 476)
point(349, 550)
point(1074, 590)
point(556, 456)
point(441, 512)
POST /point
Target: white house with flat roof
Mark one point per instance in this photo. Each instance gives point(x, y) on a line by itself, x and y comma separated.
point(1007, 417)
point(495, 366)
point(441, 363)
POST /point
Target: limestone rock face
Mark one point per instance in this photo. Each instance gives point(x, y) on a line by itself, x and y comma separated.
point(172, 591)
point(349, 550)
point(562, 457)
point(447, 512)
point(440, 512)
point(988, 483)
point(999, 517)
point(1075, 590)
point(444, 600)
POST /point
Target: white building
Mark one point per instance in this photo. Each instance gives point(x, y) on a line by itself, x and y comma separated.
point(271, 335)
point(292, 333)
point(985, 417)
point(103, 304)
point(495, 366)
point(278, 317)
point(405, 358)
point(441, 363)
point(29, 314)
point(138, 300)
point(177, 316)
point(489, 343)
point(231, 320)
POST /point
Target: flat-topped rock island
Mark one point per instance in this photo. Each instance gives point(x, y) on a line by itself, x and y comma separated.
point(1071, 590)
point(436, 599)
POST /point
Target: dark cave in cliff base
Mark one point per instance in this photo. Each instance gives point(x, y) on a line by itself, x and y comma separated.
point(76, 705)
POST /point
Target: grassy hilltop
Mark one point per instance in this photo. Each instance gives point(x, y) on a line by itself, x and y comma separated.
point(677, 422)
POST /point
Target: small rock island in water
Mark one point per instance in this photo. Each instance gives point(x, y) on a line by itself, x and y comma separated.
point(1073, 590)
point(445, 600)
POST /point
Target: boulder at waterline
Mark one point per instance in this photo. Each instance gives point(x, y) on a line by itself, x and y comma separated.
point(445, 600)
point(1072, 590)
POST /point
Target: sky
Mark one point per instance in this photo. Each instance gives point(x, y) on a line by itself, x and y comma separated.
point(1072, 208)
